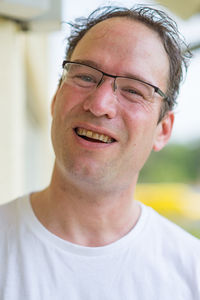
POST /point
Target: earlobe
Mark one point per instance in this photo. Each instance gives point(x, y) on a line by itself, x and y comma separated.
point(164, 131)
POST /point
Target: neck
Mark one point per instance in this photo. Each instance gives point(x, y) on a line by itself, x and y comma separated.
point(85, 216)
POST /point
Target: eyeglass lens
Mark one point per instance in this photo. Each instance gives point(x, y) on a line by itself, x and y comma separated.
point(88, 78)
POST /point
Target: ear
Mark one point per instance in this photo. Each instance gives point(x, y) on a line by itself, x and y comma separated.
point(163, 132)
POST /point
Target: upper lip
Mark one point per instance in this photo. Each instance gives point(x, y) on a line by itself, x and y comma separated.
point(97, 129)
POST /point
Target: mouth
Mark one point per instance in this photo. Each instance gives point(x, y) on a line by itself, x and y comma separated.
point(92, 136)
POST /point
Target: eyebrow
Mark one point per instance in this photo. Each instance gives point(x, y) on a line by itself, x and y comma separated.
point(89, 63)
point(97, 66)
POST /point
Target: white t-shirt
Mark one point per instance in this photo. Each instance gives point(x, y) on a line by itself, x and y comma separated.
point(155, 261)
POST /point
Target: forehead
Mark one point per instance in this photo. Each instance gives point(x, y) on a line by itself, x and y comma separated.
point(122, 29)
point(120, 43)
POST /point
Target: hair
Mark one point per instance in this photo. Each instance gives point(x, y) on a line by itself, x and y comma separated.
point(175, 46)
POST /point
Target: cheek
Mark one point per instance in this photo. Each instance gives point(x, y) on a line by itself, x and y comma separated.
point(141, 112)
point(141, 118)
point(66, 100)
point(141, 127)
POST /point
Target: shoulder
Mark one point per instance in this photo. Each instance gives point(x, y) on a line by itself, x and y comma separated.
point(171, 248)
point(10, 213)
point(171, 236)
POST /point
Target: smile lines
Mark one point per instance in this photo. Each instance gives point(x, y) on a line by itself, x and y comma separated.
point(94, 135)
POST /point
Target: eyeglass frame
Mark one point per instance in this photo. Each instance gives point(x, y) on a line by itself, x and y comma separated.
point(156, 89)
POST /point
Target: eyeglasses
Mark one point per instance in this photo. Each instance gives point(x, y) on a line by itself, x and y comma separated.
point(89, 78)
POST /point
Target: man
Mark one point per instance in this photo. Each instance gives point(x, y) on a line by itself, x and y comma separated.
point(84, 237)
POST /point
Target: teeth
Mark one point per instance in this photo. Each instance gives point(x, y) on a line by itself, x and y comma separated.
point(94, 135)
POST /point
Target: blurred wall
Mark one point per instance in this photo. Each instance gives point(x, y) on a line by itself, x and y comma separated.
point(24, 111)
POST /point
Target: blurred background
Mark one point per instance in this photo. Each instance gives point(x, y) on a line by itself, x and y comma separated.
point(33, 41)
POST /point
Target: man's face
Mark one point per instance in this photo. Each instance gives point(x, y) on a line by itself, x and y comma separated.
point(117, 46)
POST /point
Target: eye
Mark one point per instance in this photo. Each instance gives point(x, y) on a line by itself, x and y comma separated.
point(134, 90)
point(132, 93)
point(86, 78)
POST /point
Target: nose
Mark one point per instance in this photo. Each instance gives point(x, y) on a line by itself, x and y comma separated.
point(102, 101)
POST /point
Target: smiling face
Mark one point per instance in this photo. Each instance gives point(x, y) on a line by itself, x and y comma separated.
point(99, 140)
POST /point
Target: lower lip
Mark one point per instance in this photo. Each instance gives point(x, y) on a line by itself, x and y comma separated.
point(91, 145)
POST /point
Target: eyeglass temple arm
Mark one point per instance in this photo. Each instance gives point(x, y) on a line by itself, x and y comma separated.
point(157, 90)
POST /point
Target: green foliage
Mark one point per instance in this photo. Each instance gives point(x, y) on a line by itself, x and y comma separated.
point(195, 233)
point(175, 163)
